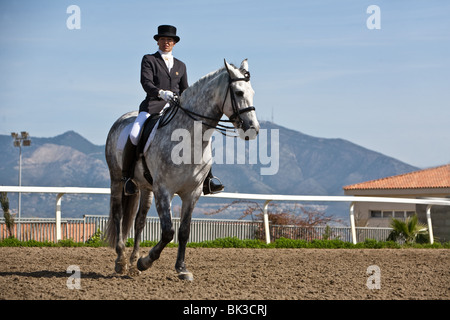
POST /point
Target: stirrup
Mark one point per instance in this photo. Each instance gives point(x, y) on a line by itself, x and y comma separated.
point(207, 187)
point(129, 187)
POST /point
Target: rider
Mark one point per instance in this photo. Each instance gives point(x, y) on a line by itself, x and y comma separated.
point(162, 76)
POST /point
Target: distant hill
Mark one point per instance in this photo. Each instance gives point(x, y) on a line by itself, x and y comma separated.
point(67, 160)
point(310, 166)
point(307, 166)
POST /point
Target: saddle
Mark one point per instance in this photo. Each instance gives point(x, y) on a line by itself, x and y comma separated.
point(147, 129)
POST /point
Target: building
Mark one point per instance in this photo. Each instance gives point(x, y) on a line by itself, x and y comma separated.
point(427, 183)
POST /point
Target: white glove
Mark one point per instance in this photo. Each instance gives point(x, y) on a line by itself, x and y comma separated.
point(166, 95)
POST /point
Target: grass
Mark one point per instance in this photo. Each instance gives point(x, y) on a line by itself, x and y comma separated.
point(233, 242)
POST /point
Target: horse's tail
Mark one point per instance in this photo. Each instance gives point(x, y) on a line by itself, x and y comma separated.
point(111, 233)
point(122, 210)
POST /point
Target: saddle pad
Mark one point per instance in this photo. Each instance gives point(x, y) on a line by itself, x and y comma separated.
point(123, 137)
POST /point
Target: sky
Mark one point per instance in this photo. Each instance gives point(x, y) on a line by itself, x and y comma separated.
point(316, 66)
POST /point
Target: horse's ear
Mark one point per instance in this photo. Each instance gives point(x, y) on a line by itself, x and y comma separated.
point(228, 67)
point(244, 65)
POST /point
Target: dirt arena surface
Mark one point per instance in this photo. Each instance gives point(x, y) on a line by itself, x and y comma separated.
point(223, 274)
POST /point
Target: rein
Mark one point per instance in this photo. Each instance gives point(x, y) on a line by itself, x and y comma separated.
point(175, 106)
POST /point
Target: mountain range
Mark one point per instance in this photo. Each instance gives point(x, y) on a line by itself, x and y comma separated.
point(301, 164)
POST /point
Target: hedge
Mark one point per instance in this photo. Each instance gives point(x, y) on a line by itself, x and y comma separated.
point(234, 242)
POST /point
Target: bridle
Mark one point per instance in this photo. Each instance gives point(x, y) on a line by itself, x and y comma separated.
point(234, 118)
point(236, 111)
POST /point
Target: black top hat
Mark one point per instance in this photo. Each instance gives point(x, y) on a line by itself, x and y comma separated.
point(167, 31)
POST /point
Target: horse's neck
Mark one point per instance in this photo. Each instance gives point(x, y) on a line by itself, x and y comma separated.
point(207, 97)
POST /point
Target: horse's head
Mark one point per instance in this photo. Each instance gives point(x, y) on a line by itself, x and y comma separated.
point(238, 106)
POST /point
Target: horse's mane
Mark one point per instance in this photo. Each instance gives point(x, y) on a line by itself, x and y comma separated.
point(194, 88)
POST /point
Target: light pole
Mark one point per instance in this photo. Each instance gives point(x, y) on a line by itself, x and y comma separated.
point(19, 141)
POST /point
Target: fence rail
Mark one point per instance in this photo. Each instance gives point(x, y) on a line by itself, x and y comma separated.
point(81, 229)
point(328, 232)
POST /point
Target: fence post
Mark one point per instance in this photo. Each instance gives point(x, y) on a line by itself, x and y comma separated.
point(84, 228)
point(266, 221)
point(430, 227)
point(352, 222)
point(58, 216)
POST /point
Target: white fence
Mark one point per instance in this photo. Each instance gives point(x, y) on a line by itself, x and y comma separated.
point(82, 229)
point(210, 229)
point(60, 191)
point(201, 229)
point(328, 232)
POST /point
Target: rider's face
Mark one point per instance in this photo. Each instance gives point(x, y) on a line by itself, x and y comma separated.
point(166, 44)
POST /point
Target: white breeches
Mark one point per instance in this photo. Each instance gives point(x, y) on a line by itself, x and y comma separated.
point(137, 125)
point(135, 132)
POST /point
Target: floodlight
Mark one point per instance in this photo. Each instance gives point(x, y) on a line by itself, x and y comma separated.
point(18, 142)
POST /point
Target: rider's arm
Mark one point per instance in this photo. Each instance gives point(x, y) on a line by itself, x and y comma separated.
point(147, 77)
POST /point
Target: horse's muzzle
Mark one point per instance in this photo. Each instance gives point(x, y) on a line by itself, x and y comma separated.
point(248, 130)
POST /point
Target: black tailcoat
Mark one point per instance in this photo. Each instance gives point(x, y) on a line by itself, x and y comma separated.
point(155, 76)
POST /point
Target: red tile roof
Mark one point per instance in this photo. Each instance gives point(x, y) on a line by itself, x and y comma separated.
point(438, 177)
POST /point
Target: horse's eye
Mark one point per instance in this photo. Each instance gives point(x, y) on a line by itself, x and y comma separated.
point(240, 94)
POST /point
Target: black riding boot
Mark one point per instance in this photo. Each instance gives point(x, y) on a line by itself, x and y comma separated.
point(209, 186)
point(129, 162)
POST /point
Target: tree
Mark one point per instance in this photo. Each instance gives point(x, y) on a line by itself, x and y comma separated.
point(296, 216)
point(410, 230)
point(9, 220)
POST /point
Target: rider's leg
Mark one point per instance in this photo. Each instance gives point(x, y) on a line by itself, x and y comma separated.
point(129, 154)
point(135, 132)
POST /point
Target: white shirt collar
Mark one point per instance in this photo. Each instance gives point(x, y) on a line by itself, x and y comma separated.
point(168, 59)
point(165, 54)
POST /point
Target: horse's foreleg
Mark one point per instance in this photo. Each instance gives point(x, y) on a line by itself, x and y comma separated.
point(183, 237)
point(167, 232)
point(139, 224)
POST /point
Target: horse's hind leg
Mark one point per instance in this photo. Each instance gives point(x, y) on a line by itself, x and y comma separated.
point(139, 224)
point(114, 229)
point(122, 212)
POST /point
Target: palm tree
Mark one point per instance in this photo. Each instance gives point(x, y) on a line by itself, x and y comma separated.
point(410, 230)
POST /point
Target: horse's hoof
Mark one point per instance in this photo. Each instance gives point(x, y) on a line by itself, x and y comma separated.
point(186, 275)
point(121, 268)
point(134, 272)
point(142, 266)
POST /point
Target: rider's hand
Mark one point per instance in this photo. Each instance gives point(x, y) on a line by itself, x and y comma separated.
point(166, 95)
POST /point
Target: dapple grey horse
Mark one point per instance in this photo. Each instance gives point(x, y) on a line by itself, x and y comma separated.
point(226, 91)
